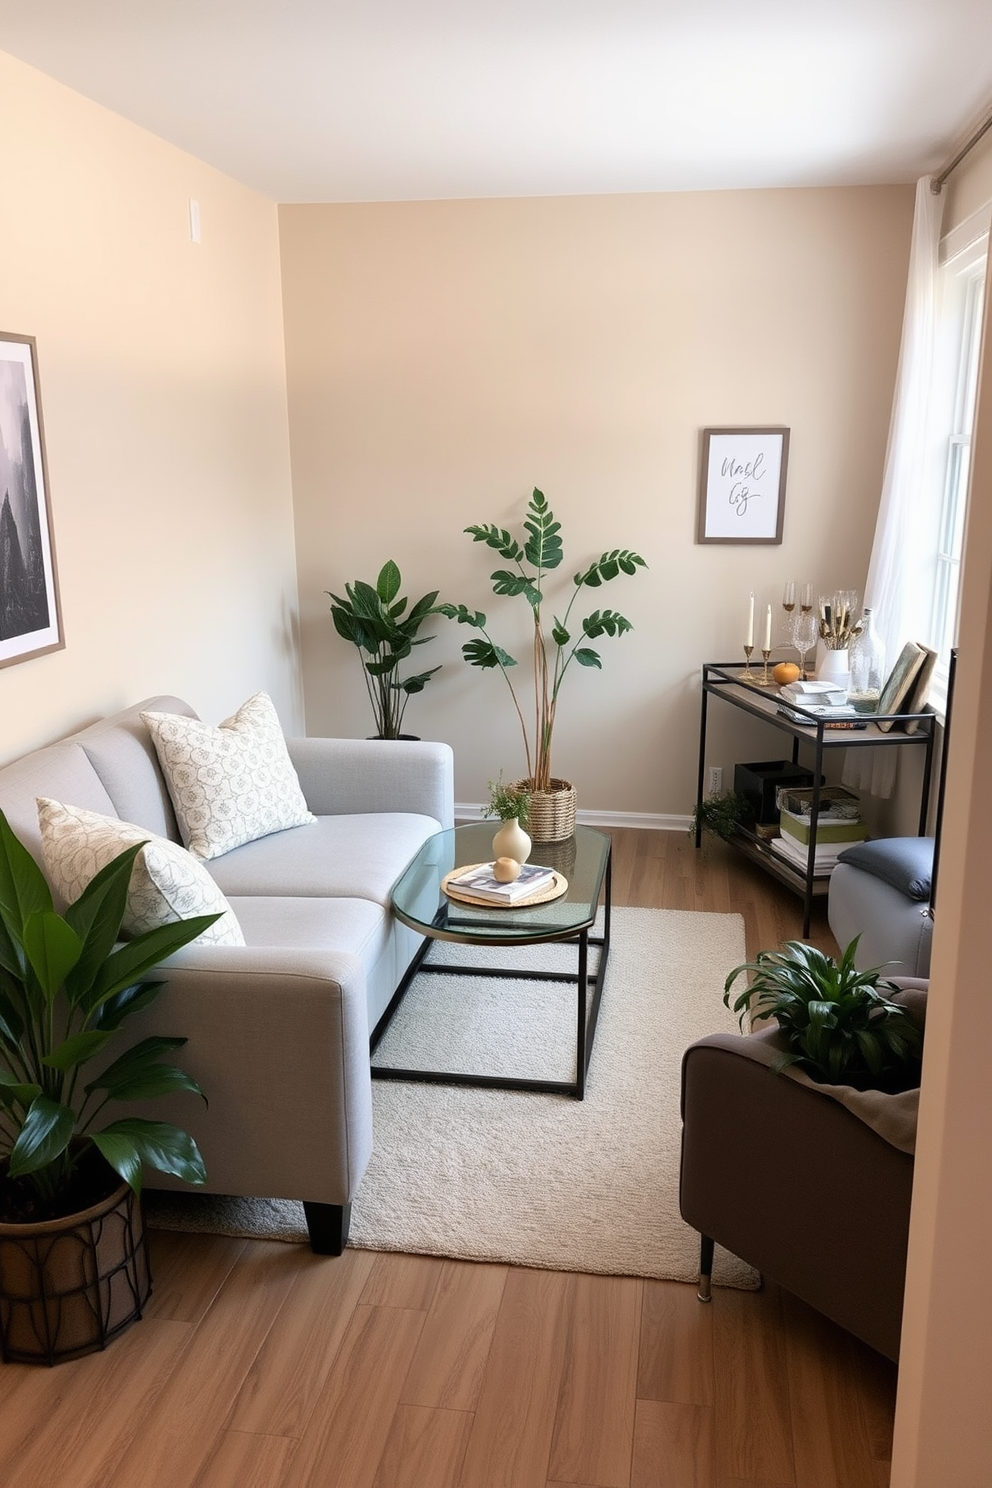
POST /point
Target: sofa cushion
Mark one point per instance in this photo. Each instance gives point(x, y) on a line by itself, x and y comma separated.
point(61, 771)
point(354, 927)
point(231, 784)
point(167, 883)
point(906, 863)
point(121, 752)
point(358, 856)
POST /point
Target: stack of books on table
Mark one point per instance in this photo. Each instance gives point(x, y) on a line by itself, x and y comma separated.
point(481, 883)
point(838, 825)
point(822, 699)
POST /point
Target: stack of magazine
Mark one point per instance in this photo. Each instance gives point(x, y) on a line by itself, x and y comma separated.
point(822, 699)
point(481, 883)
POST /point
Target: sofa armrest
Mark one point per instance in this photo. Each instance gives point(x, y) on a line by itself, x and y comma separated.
point(791, 1182)
point(278, 1040)
point(342, 777)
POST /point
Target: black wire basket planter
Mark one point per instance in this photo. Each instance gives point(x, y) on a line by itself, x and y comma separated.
point(69, 1286)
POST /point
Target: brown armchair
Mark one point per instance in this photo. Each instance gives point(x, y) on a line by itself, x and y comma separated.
point(784, 1174)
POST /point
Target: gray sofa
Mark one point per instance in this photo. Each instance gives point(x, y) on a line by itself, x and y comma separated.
point(278, 1029)
point(881, 891)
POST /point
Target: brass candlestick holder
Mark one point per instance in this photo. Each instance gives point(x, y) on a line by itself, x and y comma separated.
point(747, 675)
point(764, 680)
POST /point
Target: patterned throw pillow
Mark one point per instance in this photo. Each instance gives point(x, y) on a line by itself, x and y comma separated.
point(231, 784)
point(167, 883)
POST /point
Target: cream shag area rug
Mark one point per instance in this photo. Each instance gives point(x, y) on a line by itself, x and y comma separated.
point(533, 1180)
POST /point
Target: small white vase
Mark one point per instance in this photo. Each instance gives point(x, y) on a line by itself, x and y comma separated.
point(833, 666)
point(511, 841)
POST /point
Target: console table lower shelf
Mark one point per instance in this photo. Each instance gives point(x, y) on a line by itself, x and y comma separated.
point(761, 852)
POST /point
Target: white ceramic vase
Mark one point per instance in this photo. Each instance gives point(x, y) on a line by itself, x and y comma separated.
point(511, 841)
point(833, 666)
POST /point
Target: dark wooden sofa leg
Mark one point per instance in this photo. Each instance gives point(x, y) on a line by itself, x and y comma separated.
point(705, 1268)
point(328, 1227)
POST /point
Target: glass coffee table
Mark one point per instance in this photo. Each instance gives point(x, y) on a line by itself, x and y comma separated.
point(420, 902)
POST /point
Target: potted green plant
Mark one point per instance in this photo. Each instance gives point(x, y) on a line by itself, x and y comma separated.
point(838, 1024)
point(511, 804)
point(508, 802)
point(383, 625)
point(554, 649)
point(73, 1268)
point(722, 815)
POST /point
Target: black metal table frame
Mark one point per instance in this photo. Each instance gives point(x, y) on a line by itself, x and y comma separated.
point(587, 1007)
point(719, 677)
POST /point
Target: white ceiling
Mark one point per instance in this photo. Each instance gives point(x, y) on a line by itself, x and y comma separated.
point(358, 100)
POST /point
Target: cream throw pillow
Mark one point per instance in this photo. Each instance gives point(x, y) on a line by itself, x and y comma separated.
point(167, 883)
point(231, 784)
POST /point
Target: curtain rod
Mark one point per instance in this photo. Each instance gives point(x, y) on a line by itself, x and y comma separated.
point(938, 181)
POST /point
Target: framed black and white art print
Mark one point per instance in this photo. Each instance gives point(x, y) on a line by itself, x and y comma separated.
point(30, 620)
point(742, 485)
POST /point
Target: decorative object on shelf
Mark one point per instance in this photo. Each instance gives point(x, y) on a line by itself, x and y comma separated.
point(917, 699)
point(553, 654)
point(506, 870)
point(838, 625)
point(722, 815)
point(30, 617)
point(511, 803)
point(901, 682)
point(747, 675)
point(378, 622)
point(866, 656)
point(840, 1024)
point(804, 631)
point(759, 784)
point(742, 485)
point(66, 987)
point(785, 672)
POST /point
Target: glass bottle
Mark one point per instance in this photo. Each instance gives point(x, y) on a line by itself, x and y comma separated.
point(867, 661)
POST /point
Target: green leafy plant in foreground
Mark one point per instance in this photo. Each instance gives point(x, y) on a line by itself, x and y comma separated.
point(839, 1023)
point(66, 986)
point(552, 653)
point(383, 624)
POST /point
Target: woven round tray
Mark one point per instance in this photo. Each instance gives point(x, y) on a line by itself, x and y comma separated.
point(554, 890)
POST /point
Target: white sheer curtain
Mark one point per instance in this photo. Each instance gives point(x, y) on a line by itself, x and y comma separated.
point(900, 575)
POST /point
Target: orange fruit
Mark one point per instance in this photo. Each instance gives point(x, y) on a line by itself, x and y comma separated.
point(786, 671)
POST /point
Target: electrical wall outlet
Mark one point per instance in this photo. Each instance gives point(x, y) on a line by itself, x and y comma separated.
point(715, 780)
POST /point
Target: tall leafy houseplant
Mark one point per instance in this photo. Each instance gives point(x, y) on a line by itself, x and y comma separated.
point(376, 619)
point(554, 647)
point(66, 988)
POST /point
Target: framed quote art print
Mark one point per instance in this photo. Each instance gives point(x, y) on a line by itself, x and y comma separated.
point(30, 620)
point(742, 485)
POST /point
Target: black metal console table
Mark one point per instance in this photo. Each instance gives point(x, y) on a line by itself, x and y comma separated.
point(724, 680)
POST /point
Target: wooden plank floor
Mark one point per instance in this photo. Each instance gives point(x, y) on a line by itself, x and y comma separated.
point(259, 1365)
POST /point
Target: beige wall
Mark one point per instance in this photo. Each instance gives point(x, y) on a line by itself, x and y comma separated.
point(943, 1433)
point(444, 358)
point(163, 397)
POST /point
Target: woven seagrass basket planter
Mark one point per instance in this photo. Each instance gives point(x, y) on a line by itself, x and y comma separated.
point(552, 812)
point(68, 1286)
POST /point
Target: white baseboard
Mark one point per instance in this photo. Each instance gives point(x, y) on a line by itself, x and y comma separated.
point(649, 821)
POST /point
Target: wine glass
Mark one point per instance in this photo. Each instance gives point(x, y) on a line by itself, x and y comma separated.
point(805, 634)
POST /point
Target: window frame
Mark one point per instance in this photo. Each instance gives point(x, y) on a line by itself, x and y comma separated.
point(958, 342)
